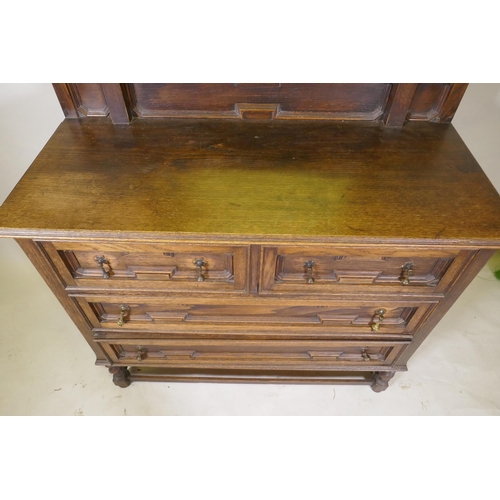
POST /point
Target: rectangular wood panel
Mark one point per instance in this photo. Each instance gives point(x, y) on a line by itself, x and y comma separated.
point(428, 100)
point(89, 99)
point(436, 102)
point(260, 101)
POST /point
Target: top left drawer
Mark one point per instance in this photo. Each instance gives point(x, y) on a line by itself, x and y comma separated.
point(149, 266)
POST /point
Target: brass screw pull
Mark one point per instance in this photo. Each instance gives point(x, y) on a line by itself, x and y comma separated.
point(407, 271)
point(200, 264)
point(377, 319)
point(309, 266)
point(123, 312)
point(140, 354)
point(101, 261)
point(365, 355)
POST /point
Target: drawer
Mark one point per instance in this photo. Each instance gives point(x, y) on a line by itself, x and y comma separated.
point(314, 270)
point(252, 317)
point(317, 355)
point(122, 266)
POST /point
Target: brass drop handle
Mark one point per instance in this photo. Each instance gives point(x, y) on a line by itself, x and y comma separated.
point(365, 355)
point(123, 311)
point(200, 264)
point(377, 319)
point(309, 266)
point(101, 261)
point(407, 271)
point(140, 354)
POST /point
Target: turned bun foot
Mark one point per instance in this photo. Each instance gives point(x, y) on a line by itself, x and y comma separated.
point(120, 376)
point(381, 381)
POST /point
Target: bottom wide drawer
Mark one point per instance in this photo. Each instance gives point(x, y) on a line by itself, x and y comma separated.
point(255, 354)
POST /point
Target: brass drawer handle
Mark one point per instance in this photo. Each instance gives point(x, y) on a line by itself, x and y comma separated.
point(407, 271)
point(377, 319)
point(101, 261)
point(365, 355)
point(309, 266)
point(140, 354)
point(200, 264)
point(123, 311)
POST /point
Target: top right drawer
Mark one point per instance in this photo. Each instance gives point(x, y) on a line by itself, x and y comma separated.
point(343, 270)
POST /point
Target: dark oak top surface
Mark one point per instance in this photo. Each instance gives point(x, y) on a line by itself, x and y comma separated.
point(309, 180)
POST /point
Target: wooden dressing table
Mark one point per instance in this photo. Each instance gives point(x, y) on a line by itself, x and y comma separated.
point(302, 233)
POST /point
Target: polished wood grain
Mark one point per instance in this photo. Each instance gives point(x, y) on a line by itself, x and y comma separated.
point(247, 180)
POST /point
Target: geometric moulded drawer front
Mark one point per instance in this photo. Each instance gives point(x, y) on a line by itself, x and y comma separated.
point(322, 355)
point(326, 270)
point(131, 316)
point(150, 266)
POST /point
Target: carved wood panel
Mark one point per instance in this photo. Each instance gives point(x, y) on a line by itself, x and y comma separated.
point(135, 315)
point(313, 270)
point(247, 354)
point(436, 102)
point(260, 101)
point(394, 103)
point(88, 98)
point(149, 265)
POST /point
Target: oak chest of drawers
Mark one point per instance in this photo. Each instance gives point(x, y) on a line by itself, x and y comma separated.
point(256, 234)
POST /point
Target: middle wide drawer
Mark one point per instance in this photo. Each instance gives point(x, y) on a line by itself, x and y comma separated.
point(122, 317)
